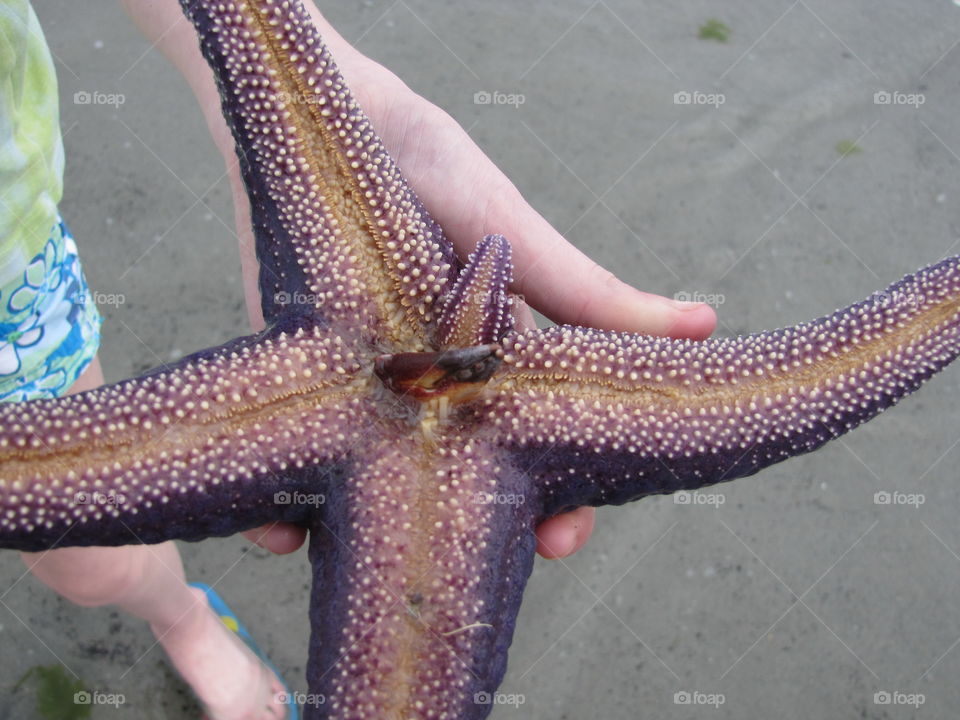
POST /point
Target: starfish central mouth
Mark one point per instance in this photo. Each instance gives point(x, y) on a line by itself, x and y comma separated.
point(457, 375)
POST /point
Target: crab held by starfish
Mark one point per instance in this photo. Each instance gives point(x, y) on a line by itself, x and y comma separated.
point(390, 404)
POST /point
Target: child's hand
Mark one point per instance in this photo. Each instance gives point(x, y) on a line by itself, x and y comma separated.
point(550, 273)
point(469, 197)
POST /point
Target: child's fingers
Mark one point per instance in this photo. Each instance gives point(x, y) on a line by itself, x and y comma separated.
point(280, 538)
point(563, 535)
point(571, 289)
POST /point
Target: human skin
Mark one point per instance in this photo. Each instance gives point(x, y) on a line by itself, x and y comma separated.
point(148, 581)
point(567, 286)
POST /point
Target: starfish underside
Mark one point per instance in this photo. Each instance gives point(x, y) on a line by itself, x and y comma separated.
point(391, 408)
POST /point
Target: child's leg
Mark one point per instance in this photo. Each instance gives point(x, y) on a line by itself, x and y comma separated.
point(148, 581)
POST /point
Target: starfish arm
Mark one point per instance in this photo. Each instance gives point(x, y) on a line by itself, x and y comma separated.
point(603, 418)
point(337, 227)
point(477, 310)
point(419, 567)
point(225, 440)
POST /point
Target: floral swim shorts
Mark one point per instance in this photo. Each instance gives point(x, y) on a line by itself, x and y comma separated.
point(49, 325)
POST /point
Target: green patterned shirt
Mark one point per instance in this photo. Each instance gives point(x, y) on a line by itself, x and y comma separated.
point(31, 149)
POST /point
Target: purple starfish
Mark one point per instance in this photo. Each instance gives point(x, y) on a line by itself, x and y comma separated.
point(391, 408)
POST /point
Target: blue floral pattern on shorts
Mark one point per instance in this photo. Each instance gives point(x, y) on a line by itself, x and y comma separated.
point(49, 325)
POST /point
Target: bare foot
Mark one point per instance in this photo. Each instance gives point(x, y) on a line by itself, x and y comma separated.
point(230, 681)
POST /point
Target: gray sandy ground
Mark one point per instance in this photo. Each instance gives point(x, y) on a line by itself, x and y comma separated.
point(799, 596)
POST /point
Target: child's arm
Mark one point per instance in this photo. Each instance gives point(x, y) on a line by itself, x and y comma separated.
point(567, 286)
